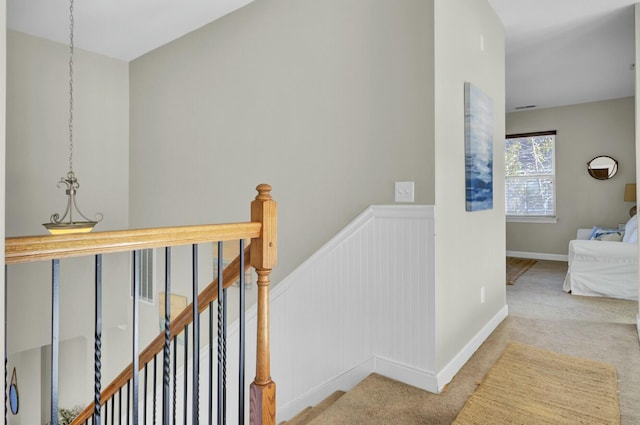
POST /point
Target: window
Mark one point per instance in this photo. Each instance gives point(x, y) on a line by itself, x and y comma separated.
point(146, 276)
point(530, 176)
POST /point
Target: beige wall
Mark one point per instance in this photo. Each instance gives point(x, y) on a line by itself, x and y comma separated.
point(37, 102)
point(329, 101)
point(584, 131)
point(469, 245)
point(38, 135)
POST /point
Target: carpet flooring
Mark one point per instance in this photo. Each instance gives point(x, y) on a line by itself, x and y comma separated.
point(540, 315)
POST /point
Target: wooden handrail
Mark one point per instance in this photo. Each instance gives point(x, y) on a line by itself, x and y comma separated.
point(230, 274)
point(48, 247)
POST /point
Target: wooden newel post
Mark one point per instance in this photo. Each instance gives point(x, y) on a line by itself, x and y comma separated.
point(263, 257)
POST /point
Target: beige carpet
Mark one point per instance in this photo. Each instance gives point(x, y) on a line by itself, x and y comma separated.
point(516, 268)
point(377, 400)
point(531, 386)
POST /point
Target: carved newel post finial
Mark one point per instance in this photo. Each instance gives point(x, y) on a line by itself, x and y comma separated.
point(263, 259)
point(264, 192)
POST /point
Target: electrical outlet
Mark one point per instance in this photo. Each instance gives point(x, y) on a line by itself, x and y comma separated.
point(482, 295)
point(404, 192)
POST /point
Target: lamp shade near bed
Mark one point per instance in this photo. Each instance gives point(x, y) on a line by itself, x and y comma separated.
point(630, 196)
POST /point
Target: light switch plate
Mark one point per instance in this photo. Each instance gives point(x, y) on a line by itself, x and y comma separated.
point(404, 192)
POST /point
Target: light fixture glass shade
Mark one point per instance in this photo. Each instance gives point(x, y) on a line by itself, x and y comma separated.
point(630, 192)
point(68, 228)
point(63, 225)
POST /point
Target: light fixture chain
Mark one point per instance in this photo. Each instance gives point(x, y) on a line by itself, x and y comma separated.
point(71, 85)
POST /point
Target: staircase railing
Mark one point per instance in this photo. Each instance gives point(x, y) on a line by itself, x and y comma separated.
point(260, 254)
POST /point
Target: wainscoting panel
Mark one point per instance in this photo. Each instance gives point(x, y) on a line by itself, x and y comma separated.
point(367, 293)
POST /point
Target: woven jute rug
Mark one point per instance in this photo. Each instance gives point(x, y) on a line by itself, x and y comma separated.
point(529, 385)
point(516, 267)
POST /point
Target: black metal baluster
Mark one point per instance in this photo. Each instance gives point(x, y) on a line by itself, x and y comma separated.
point(196, 338)
point(6, 359)
point(120, 406)
point(167, 335)
point(175, 381)
point(113, 410)
point(186, 371)
point(241, 360)
point(96, 419)
point(136, 323)
point(145, 395)
point(224, 355)
point(221, 360)
point(155, 387)
point(128, 400)
point(55, 323)
point(210, 363)
point(97, 366)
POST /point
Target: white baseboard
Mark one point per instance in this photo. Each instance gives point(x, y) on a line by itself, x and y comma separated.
point(343, 382)
point(538, 256)
point(449, 371)
point(409, 375)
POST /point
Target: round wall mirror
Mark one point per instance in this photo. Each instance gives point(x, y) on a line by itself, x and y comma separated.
point(602, 167)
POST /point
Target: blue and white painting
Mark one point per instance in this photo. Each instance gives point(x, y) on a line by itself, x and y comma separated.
point(478, 140)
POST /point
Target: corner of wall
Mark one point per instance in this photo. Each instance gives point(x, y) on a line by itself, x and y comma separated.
point(446, 374)
point(469, 48)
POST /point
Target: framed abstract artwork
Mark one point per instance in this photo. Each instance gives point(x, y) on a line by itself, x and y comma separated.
point(478, 142)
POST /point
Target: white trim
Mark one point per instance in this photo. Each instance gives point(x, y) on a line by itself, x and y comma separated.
point(530, 219)
point(426, 380)
point(538, 255)
point(638, 324)
point(449, 371)
point(402, 211)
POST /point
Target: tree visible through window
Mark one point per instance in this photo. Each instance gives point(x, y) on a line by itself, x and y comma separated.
point(530, 174)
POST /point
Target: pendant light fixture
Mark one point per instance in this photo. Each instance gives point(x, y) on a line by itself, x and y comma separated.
point(68, 223)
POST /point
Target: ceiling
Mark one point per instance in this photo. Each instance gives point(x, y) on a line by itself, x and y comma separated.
point(122, 29)
point(559, 52)
point(564, 52)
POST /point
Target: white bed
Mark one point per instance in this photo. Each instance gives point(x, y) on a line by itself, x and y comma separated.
point(603, 269)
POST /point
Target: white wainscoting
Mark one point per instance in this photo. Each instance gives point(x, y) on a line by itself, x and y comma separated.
point(363, 303)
